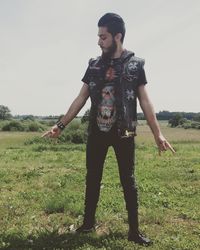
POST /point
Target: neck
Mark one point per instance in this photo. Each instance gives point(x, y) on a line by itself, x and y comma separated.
point(118, 52)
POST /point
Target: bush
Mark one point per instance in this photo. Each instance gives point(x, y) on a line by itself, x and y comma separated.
point(176, 120)
point(13, 126)
point(3, 123)
point(35, 127)
point(74, 133)
point(27, 125)
point(186, 125)
point(195, 125)
point(78, 136)
point(74, 125)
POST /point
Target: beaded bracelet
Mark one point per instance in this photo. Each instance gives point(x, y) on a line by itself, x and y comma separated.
point(60, 125)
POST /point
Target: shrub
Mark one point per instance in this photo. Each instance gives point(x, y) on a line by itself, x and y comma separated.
point(176, 120)
point(190, 124)
point(195, 125)
point(35, 127)
point(78, 136)
point(75, 133)
point(13, 126)
point(74, 125)
point(25, 125)
point(3, 123)
point(186, 125)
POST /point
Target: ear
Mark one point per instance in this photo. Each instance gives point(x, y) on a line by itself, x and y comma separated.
point(118, 37)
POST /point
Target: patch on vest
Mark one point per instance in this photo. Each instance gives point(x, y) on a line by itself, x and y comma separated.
point(132, 67)
point(131, 71)
point(110, 74)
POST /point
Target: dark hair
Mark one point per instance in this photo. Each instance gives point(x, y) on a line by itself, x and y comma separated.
point(114, 23)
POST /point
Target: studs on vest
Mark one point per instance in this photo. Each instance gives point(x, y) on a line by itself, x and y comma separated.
point(130, 94)
point(92, 85)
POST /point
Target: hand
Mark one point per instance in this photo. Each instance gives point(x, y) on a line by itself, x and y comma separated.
point(163, 144)
point(53, 133)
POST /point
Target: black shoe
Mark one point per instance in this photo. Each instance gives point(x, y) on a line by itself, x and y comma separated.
point(85, 229)
point(138, 238)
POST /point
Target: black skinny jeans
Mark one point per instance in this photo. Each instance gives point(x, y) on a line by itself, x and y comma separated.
point(97, 147)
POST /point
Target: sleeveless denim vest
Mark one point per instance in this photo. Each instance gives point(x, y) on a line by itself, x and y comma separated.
point(126, 91)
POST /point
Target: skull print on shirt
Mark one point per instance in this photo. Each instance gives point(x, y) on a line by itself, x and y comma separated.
point(106, 115)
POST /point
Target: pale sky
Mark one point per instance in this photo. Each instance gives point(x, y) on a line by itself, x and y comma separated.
point(45, 46)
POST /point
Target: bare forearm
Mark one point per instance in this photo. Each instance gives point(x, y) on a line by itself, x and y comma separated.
point(73, 110)
point(148, 110)
point(76, 105)
point(150, 116)
point(149, 113)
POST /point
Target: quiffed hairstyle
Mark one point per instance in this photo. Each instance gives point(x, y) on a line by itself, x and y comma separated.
point(114, 23)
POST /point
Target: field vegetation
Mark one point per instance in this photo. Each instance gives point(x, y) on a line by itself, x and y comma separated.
point(42, 192)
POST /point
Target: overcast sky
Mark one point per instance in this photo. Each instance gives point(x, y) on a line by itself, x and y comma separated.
point(45, 46)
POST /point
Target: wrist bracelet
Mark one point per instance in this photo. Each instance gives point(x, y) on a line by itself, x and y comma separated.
point(60, 125)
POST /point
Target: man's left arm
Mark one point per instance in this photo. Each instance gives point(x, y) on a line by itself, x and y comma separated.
point(147, 107)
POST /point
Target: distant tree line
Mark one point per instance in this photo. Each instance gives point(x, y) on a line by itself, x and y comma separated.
point(38, 123)
point(179, 121)
point(175, 119)
point(167, 115)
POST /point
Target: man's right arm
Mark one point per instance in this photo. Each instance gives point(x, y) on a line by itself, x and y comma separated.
point(76, 105)
point(73, 110)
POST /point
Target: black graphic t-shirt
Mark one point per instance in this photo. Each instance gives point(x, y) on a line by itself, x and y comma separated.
point(106, 115)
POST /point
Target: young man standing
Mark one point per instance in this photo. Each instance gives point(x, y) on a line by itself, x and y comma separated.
point(113, 81)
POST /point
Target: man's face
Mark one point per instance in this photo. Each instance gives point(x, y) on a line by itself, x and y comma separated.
point(106, 42)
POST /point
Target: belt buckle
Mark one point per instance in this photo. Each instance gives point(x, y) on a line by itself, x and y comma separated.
point(128, 134)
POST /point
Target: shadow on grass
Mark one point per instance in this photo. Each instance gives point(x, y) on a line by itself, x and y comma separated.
point(67, 241)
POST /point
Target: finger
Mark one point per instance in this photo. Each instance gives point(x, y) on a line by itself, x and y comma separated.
point(161, 150)
point(168, 146)
point(172, 150)
point(162, 144)
point(165, 146)
point(162, 147)
point(45, 134)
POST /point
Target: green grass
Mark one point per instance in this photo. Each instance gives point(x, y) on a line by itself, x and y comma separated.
point(42, 194)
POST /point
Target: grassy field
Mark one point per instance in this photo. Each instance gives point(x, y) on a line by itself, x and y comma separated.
point(42, 194)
